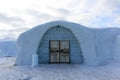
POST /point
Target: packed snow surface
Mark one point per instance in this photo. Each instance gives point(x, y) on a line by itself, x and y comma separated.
point(107, 71)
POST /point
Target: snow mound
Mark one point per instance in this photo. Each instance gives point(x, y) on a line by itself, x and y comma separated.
point(8, 47)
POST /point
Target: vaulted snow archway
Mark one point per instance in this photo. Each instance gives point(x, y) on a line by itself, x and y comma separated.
point(36, 41)
point(59, 35)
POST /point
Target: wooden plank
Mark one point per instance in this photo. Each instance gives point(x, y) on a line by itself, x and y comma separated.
point(64, 51)
point(54, 51)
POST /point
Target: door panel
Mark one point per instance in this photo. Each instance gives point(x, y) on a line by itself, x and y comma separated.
point(59, 51)
point(54, 51)
point(64, 51)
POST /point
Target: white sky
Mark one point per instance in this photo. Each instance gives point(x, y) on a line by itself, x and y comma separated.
point(17, 16)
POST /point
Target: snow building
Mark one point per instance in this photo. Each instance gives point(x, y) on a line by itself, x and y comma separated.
point(67, 42)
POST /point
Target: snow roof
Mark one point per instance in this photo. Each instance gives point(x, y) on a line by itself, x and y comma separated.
point(29, 41)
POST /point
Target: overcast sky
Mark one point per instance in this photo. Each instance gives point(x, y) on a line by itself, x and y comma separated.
point(17, 16)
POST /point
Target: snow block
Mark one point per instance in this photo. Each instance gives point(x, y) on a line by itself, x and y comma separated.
point(117, 49)
point(34, 60)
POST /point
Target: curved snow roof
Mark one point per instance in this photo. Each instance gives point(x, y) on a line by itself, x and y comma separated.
point(31, 39)
point(66, 24)
point(42, 28)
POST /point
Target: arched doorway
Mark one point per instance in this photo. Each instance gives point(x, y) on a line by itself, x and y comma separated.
point(58, 36)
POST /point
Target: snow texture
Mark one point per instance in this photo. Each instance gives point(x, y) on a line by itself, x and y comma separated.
point(98, 45)
point(109, 71)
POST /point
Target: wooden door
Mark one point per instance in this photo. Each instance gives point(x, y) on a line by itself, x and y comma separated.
point(64, 51)
point(59, 51)
point(54, 51)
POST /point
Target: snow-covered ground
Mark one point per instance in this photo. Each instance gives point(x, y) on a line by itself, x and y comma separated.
point(109, 71)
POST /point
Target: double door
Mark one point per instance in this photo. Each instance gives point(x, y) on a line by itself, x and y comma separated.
point(59, 51)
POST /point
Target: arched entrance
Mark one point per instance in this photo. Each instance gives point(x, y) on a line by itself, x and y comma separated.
point(59, 44)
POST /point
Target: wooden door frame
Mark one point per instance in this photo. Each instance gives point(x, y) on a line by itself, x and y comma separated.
point(59, 52)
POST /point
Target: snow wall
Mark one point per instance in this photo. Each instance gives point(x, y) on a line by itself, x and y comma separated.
point(107, 44)
point(97, 45)
point(8, 48)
